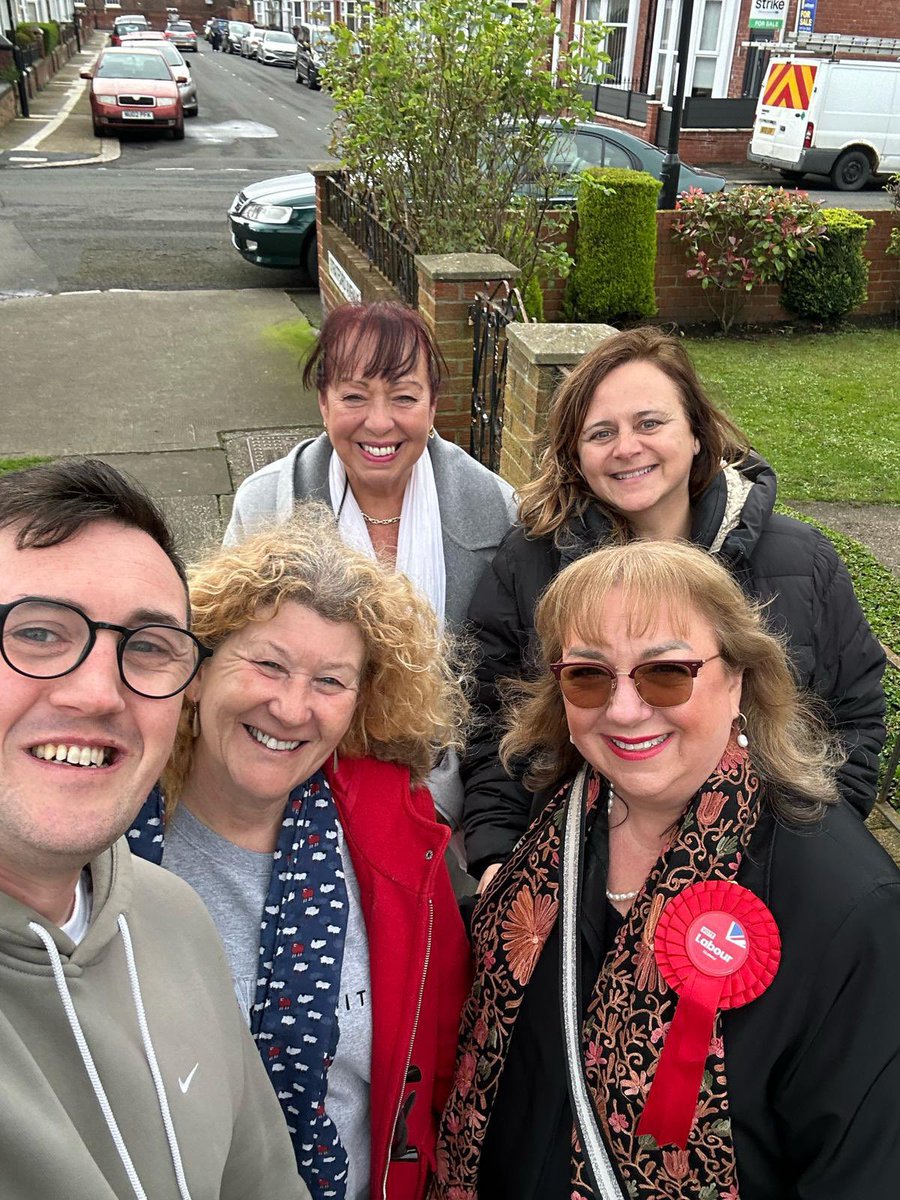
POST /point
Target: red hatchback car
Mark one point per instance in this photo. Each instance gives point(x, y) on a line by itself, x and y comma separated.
point(132, 87)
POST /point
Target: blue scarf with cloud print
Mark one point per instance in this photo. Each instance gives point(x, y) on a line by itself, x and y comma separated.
point(302, 929)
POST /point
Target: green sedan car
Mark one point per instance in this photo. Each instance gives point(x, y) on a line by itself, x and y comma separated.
point(273, 224)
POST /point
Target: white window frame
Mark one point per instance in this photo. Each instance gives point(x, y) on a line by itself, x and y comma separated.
point(724, 53)
point(630, 28)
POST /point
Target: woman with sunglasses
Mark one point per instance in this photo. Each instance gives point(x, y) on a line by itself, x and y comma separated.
point(635, 449)
point(685, 973)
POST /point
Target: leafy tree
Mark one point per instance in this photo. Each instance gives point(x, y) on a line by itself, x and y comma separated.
point(442, 118)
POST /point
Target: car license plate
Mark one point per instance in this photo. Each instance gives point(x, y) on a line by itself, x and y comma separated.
point(136, 115)
point(767, 130)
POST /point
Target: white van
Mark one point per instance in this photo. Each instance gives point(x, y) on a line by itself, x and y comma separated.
point(829, 117)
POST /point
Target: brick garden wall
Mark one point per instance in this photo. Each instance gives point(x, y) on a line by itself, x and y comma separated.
point(8, 107)
point(682, 300)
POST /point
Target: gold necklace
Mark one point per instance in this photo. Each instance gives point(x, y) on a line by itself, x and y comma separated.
point(378, 520)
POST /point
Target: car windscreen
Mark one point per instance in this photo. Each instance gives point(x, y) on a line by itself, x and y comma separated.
point(129, 27)
point(320, 38)
point(280, 37)
point(182, 27)
point(132, 66)
point(239, 28)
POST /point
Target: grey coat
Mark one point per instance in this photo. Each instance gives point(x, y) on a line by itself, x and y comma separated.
point(477, 508)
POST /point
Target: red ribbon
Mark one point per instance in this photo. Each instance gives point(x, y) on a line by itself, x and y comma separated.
point(718, 946)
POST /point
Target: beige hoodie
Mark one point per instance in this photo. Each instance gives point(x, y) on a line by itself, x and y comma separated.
point(227, 1138)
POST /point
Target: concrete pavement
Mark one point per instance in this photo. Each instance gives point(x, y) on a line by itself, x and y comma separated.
point(59, 131)
point(188, 391)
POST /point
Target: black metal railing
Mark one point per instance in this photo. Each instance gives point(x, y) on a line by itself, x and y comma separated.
point(387, 251)
point(489, 315)
point(624, 102)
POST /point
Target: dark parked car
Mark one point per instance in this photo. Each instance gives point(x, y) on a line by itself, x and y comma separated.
point(235, 31)
point(312, 46)
point(273, 222)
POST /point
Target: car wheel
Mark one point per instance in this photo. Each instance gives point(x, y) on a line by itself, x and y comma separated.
point(178, 133)
point(192, 112)
point(851, 172)
point(313, 81)
point(297, 76)
point(99, 131)
point(310, 258)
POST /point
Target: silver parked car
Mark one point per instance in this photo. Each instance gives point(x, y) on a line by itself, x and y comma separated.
point(276, 49)
point(250, 42)
point(187, 88)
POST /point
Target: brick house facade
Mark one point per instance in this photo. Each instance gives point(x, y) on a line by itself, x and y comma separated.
point(721, 66)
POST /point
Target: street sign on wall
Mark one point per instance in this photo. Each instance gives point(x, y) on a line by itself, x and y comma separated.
point(769, 14)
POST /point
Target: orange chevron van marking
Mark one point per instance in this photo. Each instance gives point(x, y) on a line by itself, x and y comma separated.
point(789, 85)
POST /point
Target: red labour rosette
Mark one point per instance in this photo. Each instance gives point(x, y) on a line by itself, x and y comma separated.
point(718, 946)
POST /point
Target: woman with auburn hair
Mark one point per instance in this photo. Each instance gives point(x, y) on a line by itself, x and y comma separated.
point(396, 487)
point(634, 449)
point(686, 972)
point(293, 804)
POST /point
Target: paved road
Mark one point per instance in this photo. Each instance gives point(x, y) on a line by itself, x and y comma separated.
point(155, 217)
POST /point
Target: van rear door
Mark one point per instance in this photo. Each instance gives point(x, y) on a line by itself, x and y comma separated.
point(783, 110)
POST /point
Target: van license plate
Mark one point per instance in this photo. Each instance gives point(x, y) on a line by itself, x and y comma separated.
point(767, 130)
point(136, 115)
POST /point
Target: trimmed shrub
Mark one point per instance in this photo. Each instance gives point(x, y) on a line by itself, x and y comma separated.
point(615, 252)
point(29, 31)
point(828, 285)
point(739, 239)
point(45, 32)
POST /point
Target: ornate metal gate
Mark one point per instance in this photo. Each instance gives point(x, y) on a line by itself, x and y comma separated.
point(489, 314)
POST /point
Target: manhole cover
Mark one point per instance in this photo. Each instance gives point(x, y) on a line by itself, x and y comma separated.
point(249, 449)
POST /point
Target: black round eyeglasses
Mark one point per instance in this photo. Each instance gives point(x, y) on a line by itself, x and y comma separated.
point(46, 639)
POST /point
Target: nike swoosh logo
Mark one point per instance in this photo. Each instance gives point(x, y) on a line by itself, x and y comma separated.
point(184, 1084)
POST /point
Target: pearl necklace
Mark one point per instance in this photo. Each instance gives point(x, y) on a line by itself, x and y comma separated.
point(379, 520)
point(617, 896)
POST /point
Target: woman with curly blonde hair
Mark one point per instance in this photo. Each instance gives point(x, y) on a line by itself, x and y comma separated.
point(293, 803)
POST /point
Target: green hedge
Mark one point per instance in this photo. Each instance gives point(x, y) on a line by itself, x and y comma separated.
point(47, 32)
point(831, 283)
point(615, 252)
point(878, 592)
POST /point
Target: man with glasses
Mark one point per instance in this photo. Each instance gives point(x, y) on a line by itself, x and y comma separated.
point(128, 1070)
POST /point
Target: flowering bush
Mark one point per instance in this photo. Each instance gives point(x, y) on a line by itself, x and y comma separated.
point(739, 239)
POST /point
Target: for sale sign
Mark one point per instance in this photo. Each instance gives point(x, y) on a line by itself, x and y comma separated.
point(768, 14)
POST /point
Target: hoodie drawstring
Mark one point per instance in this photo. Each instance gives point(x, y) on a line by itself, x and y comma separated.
point(87, 1058)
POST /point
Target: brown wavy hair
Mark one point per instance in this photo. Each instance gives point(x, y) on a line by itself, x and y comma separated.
point(411, 704)
point(559, 491)
point(789, 743)
point(383, 338)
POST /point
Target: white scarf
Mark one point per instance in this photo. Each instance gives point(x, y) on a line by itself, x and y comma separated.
point(420, 548)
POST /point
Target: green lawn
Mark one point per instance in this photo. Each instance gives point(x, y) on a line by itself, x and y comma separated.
point(16, 464)
point(824, 409)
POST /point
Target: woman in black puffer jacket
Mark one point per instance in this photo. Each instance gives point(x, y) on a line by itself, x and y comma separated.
point(635, 449)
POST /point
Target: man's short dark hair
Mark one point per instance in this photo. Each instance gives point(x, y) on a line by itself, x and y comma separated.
point(53, 502)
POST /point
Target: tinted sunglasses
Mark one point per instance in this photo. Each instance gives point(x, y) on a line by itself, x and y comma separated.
point(661, 684)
